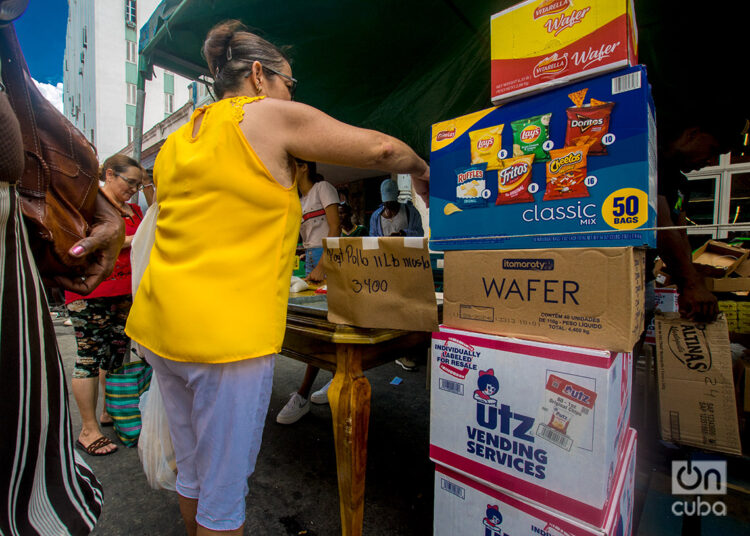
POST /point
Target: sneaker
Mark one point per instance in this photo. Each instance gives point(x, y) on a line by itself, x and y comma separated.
point(294, 410)
point(406, 364)
point(321, 396)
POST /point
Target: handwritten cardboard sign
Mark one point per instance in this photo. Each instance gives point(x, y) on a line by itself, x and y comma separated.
point(380, 282)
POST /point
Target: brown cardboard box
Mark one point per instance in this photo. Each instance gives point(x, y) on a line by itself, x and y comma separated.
point(579, 296)
point(696, 388)
point(723, 257)
point(727, 284)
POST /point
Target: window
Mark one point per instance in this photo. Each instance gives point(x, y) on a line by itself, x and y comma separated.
point(84, 37)
point(131, 134)
point(132, 93)
point(131, 54)
point(168, 103)
point(130, 13)
point(720, 196)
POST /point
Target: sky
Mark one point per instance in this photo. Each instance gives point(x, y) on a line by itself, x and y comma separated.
point(41, 32)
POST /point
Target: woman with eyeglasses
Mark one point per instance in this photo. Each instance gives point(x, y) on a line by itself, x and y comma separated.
point(99, 318)
point(210, 310)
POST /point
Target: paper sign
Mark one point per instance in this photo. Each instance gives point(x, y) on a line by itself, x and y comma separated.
point(380, 282)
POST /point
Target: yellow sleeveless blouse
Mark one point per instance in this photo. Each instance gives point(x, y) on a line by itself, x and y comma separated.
point(217, 283)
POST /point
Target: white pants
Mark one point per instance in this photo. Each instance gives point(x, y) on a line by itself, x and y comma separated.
point(216, 414)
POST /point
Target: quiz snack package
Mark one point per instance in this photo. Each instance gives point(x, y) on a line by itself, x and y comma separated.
point(591, 146)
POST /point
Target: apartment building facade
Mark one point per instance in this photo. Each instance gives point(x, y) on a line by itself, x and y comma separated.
point(100, 73)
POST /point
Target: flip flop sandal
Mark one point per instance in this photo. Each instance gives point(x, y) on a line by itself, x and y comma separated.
point(96, 445)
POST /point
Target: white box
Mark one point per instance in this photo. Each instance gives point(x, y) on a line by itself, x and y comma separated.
point(666, 301)
point(544, 421)
point(463, 507)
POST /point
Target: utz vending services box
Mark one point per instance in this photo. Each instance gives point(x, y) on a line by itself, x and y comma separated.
point(543, 421)
point(581, 297)
point(573, 167)
point(464, 507)
point(540, 44)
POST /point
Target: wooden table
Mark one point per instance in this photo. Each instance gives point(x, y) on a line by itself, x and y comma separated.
point(347, 351)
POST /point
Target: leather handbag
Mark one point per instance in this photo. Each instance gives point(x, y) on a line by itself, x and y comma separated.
point(60, 182)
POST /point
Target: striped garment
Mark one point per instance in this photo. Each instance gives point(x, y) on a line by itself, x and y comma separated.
point(45, 487)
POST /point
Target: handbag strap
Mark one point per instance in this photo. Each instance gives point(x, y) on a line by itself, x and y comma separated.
point(17, 80)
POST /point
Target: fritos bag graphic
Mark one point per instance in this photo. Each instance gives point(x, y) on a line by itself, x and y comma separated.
point(587, 125)
point(566, 172)
point(513, 181)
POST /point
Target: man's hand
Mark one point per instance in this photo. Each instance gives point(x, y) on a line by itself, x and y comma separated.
point(421, 185)
point(102, 246)
point(317, 275)
point(698, 303)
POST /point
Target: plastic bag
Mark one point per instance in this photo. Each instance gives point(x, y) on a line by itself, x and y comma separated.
point(155, 444)
point(140, 252)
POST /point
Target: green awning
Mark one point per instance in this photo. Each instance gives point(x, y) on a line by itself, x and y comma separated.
point(401, 65)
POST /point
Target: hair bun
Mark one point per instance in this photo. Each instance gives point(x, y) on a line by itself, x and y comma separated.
point(217, 43)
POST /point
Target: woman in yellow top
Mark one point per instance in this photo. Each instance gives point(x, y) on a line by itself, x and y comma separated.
point(211, 306)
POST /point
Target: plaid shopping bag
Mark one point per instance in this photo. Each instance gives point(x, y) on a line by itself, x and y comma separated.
point(123, 391)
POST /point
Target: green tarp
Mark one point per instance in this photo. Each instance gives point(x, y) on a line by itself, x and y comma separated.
point(399, 66)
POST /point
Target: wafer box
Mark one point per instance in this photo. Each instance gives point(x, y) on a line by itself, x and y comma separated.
point(543, 421)
point(539, 44)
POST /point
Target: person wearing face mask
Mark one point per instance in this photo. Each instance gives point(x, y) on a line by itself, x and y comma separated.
point(99, 318)
point(210, 310)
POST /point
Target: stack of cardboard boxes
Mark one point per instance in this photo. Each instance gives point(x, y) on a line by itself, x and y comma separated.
point(539, 205)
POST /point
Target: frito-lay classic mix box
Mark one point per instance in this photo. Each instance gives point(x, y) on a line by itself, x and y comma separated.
point(573, 167)
point(539, 44)
point(696, 385)
point(581, 296)
point(465, 507)
point(543, 421)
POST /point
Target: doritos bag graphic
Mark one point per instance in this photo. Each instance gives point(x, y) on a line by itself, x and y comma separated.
point(587, 125)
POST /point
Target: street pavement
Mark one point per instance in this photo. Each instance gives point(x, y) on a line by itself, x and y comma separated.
point(294, 490)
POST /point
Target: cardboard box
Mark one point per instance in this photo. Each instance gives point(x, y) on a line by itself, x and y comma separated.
point(543, 421)
point(723, 258)
point(581, 297)
point(696, 387)
point(465, 507)
point(537, 45)
point(494, 203)
point(666, 301)
point(727, 284)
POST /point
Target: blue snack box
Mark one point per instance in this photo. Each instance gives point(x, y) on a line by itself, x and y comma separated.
point(615, 208)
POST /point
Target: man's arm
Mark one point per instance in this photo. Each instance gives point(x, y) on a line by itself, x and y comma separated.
point(696, 301)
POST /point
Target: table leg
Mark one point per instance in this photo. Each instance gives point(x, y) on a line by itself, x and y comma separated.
point(349, 397)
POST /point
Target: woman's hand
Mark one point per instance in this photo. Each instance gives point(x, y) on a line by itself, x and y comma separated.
point(421, 183)
point(102, 245)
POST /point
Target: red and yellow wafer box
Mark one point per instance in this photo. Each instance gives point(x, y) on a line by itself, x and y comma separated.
point(540, 44)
